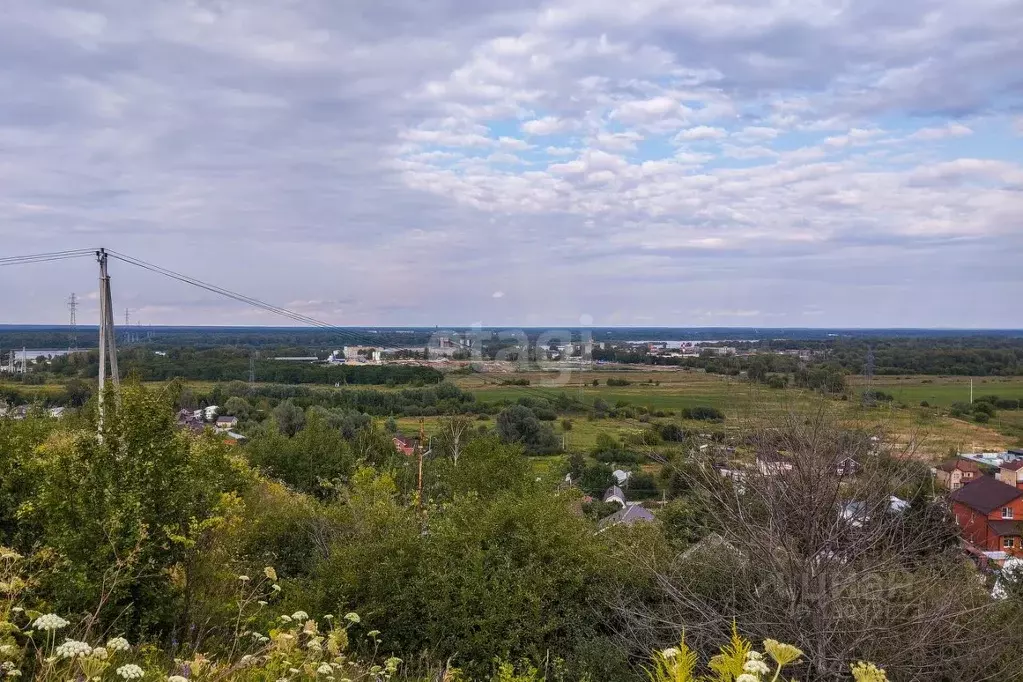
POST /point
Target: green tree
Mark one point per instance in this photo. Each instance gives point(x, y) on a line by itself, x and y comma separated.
point(290, 418)
point(518, 424)
point(130, 501)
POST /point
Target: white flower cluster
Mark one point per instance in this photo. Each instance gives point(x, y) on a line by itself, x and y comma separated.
point(131, 672)
point(118, 644)
point(300, 616)
point(753, 668)
point(50, 621)
point(352, 617)
point(324, 669)
point(177, 678)
point(100, 653)
point(72, 649)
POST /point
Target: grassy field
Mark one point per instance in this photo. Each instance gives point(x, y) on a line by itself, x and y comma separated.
point(926, 431)
point(943, 391)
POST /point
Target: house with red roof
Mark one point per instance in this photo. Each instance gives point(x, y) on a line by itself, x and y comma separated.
point(406, 446)
point(956, 473)
point(990, 515)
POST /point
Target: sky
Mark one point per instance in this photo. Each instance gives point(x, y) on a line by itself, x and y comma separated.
point(781, 163)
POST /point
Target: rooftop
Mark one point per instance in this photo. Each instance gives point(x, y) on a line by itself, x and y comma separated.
point(986, 494)
point(961, 464)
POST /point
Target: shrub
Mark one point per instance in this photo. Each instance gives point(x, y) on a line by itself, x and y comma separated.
point(703, 413)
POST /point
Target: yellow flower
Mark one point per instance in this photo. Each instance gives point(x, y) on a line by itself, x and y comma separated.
point(868, 672)
point(783, 654)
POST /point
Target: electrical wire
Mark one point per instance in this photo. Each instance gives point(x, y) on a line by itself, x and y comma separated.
point(255, 302)
point(47, 257)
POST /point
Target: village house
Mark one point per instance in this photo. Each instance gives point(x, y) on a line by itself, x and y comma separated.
point(406, 446)
point(1010, 473)
point(614, 494)
point(628, 516)
point(956, 473)
point(227, 423)
point(990, 515)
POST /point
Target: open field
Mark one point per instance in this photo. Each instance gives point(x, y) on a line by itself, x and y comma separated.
point(943, 391)
point(927, 432)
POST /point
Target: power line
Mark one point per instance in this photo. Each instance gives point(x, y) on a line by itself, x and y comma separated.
point(46, 257)
point(255, 302)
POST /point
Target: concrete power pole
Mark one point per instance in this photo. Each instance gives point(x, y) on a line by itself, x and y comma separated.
point(107, 340)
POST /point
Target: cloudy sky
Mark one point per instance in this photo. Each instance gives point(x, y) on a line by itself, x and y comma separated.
point(650, 162)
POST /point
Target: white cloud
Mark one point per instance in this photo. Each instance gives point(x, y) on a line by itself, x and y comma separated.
point(648, 110)
point(945, 131)
point(547, 125)
point(700, 133)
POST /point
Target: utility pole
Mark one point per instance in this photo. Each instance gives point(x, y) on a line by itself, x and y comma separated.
point(72, 306)
point(107, 341)
point(422, 440)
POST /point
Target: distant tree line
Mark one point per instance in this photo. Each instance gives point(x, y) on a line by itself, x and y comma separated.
point(228, 364)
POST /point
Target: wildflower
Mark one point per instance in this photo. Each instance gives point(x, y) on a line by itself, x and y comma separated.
point(324, 669)
point(293, 671)
point(300, 616)
point(245, 660)
point(783, 654)
point(328, 617)
point(7, 649)
point(17, 609)
point(261, 602)
point(131, 672)
point(14, 673)
point(100, 653)
point(372, 633)
point(352, 617)
point(244, 578)
point(270, 573)
point(276, 587)
point(670, 652)
point(391, 664)
point(286, 618)
point(754, 655)
point(746, 677)
point(756, 667)
point(50, 621)
point(177, 678)
point(72, 649)
point(118, 644)
point(868, 672)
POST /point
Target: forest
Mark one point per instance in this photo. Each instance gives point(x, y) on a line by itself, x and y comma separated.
point(317, 544)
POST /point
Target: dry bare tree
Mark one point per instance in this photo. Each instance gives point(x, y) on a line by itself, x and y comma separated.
point(453, 435)
point(811, 545)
